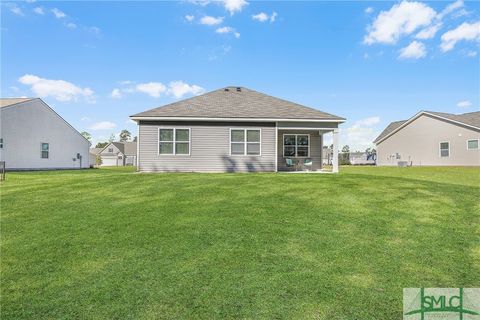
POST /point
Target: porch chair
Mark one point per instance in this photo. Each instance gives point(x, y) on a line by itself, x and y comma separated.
point(289, 163)
point(307, 163)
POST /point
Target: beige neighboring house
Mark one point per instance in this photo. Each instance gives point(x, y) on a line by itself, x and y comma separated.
point(431, 139)
point(34, 137)
point(119, 154)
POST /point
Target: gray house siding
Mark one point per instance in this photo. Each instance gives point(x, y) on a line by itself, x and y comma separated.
point(316, 145)
point(209, 148)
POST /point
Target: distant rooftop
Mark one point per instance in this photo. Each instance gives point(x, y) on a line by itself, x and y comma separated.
point(5, 102)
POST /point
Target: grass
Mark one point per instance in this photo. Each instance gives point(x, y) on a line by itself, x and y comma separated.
point(111, 243)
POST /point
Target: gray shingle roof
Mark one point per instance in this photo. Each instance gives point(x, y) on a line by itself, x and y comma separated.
point(95, 151)
point(470, 118)
point(230, 103)
point(5, 102)
point(127, 148)
point(391, 127)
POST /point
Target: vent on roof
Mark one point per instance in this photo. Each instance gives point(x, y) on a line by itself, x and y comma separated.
point(226, 89)
point(239, 89)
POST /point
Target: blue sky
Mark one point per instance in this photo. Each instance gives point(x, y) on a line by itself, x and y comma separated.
point(96, 63)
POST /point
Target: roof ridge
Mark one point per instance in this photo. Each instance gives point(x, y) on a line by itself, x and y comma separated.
point(245, 103)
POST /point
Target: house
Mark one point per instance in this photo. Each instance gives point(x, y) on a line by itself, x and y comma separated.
point(119, 154)
point(94, 155)
point(233, 129)
point(361, 158)
point(431, 139)
point(34, 137)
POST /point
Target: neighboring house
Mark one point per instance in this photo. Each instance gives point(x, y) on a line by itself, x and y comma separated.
point(93, 155)
point(233, 129)
point(431, 139)
point(119, 154)
point(361, 158)
point(34, 137)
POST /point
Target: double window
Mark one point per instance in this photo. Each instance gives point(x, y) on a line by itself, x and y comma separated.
point(173, 141)
point(1, 143)
point(245, 142)
point(472, 144)
point(296, 145)
point(45, 150)
point(444, 149)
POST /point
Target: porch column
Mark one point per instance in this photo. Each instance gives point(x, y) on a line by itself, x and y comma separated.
point(335, 151)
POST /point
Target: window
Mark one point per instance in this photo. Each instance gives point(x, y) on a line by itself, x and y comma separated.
point(174, 141)
point(45, 150)
point(296, 145)
point(444, 149)
point(1, 143)
point(245, 142)
point(471, 144)
point(110, 150)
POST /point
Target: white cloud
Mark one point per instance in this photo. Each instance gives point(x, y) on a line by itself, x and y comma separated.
point(361, 134)
point(189, 18)
point(58, 14)
point(39, 10)
point(368, 121)
point(102, 125)
point(61, 90)
point(262, 17)
point(31, 1)
point(211, 21)
point(224, 30)
point(85, 119)
point(15, 9)
point(95, 30)
point(179, 88)
point(415, 50)
point(273, 17)
point(234, 6)
point(450, 8)
point(429, 32)
point(228, 30)
point(465, 31)
point(116, 94)
point(70, 25)
point(199, 2)
point(464, 104)
point(368, 10)
point(471, 53)
point(402, 19)
point(153, 89)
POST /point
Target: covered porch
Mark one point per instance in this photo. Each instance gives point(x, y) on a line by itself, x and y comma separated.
point(299, 146)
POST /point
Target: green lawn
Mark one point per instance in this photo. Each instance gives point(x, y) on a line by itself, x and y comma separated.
point(111, 243)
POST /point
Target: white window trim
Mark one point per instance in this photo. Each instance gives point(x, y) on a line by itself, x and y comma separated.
point(478, 144)
point(174, 141)
point(41, 150)
point(440, 149)
point(244, 143)
point(296, 134)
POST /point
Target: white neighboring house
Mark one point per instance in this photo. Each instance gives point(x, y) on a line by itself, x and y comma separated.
point(34, 137)
point(117, 154)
